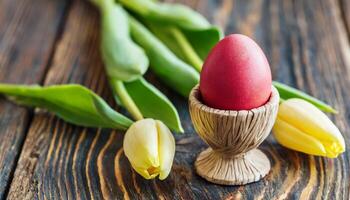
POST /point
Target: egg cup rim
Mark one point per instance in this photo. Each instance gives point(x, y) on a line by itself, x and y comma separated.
point(194, 100)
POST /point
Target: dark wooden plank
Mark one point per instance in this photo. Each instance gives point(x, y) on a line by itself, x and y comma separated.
point(345, 11)
point(28, 32)
point(58, 160)
point(307, 46)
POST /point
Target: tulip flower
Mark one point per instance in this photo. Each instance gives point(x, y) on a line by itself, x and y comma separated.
point(303, 127)
point(150, 147)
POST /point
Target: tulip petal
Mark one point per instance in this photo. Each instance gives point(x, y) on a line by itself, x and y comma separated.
point(166, 145)
point(293, 138)
point(310, 120)
point(333, 149)
point(141, 146)
point(144, 172)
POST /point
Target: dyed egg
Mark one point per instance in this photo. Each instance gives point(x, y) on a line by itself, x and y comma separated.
point(236, 75)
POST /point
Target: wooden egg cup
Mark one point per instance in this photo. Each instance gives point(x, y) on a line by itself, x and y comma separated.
point(233, 136)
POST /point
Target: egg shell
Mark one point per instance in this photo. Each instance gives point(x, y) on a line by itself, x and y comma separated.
point(236, 75)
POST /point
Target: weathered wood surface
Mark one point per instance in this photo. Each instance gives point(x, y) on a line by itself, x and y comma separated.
point(27, 39)
point(307, 44)
point(345, 8)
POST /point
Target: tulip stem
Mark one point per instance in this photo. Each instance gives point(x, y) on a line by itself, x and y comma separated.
point(120, 91)
point(189, 53)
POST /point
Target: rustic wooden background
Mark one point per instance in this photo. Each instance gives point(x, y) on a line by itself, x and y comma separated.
point(57, 41)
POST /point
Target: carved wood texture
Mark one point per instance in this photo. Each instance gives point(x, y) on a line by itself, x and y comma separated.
point(230, 135)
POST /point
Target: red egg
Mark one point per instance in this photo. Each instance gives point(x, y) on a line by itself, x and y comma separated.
point(236, 75)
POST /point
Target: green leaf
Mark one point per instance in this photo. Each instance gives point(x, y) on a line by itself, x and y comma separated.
point(172, 70)
point(287, 92)
point(154, 104)
point(73, 103)
point(166, 13)
point(124, 60)
point(198, 31)
point(203, 40)
point(177, 42)
point(123, 98)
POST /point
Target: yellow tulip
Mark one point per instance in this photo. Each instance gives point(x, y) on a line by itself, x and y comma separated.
point(303, 127)
point(150, 147)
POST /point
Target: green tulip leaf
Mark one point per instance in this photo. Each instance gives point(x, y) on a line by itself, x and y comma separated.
point(198, 31)
point(165, 64)
point(73, 103)
point(166, 13)
point(124, 60)
point(154, 104)
point(287, 92)
point(177, 42)
point(204, 40)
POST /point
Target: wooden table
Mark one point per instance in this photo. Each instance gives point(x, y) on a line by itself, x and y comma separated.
point(57, 41)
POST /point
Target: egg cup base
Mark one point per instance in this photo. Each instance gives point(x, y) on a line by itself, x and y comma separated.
point(247, 168)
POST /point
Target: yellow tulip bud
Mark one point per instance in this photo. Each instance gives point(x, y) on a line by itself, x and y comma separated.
point(150, 147)
point(303, 127)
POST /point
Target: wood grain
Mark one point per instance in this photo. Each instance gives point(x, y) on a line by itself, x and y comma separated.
point(307, 46)
point(59, 160)
point(305, 41)
point(26, 44)
point(345, 12)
